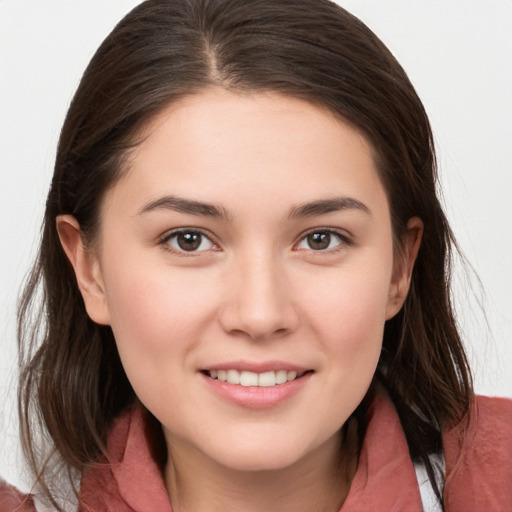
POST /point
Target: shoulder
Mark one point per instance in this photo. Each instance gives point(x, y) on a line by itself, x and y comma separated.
point(487, 438)
point(478, 460)
point(13, 500)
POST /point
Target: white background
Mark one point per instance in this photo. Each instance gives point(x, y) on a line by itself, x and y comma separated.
point(458, 54)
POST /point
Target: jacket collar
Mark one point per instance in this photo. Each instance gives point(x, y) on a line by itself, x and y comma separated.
point(132, 481)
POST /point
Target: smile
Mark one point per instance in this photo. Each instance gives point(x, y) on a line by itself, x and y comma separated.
point(246, 378)
point(256, 385)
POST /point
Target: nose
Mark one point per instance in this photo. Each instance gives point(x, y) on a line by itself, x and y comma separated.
point(258, 303)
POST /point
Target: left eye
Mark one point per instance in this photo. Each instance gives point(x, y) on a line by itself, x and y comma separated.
point(189, 241)
point(321, 241)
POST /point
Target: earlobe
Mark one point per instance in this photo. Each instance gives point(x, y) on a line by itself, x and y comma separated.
point(401, 281)
point(86, 267)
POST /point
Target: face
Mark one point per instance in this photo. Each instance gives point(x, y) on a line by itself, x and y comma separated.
point(245, 264)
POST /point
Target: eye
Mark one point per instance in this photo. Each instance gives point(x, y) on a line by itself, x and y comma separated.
point(322, 240)
point(187, 241)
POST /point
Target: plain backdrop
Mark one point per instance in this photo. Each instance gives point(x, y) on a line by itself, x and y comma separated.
point(458, 54)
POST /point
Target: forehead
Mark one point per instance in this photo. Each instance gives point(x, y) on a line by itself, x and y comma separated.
point(220, 146)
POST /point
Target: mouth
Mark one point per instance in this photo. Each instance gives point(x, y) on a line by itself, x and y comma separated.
point(253, 379)
point(256, 385)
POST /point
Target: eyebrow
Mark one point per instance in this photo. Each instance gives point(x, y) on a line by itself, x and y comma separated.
point(325, 206)
point(181, 205)
point(310, 209)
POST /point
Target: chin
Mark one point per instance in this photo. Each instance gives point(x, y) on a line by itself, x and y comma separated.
point(258, 460)
point(278, 453)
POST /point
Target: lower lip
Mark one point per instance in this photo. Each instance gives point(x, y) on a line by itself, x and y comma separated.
point(256, 397)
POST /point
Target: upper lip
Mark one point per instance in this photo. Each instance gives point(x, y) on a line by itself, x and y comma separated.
point(257, 366)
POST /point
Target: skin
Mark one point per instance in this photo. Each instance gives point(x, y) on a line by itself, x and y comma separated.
point(255, 290)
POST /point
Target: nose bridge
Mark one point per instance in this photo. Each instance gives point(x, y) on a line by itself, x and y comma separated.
point(258, 303)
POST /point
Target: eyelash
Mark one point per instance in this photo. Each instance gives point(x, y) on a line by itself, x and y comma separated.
point(345, 240)
point(164, 241)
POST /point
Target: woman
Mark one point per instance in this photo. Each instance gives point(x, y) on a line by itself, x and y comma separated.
point(245, 274)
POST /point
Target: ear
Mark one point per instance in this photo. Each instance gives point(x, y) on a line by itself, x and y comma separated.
point(87, 269)
point(402, 272)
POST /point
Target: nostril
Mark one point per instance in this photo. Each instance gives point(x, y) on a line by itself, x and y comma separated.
point(257, 303)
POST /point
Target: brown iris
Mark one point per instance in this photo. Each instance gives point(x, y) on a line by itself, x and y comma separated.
point(319, 241)
point(189, 241)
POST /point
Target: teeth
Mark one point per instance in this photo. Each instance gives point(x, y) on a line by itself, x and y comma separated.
point(281, 376)
point(266, 379)
point(233, 377)
point(248, 379)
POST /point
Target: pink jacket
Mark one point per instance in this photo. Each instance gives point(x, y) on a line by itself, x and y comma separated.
point(478, 467)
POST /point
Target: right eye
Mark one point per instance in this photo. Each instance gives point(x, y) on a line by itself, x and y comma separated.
point(187, 241)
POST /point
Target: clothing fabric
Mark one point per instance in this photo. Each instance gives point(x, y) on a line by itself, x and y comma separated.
point(478, 462)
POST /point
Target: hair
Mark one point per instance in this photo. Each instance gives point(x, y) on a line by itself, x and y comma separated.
point(72, 382)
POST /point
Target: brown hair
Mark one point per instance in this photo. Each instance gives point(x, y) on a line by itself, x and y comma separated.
point(72, 381)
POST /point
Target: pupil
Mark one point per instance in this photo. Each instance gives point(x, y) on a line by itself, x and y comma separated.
point(319, 241)
point(189, 241)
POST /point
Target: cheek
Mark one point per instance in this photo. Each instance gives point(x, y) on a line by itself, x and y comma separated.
point(145, 300)
point(357, 344)
point(353, 308)
point(156, 319)
point(349, 318)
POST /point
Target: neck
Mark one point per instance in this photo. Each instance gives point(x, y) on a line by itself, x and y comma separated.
point(318, 482)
